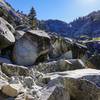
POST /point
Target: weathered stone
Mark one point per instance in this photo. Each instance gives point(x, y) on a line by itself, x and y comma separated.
point(32, 45)
point(3, 76)
point(54, 93)
point(60, 65)
point(53, 66)
point(12, 89)
point(6, 34)
point(28, 81)
point(30, 97)
point(77, 63)
point(13, 70)
point(15, 80)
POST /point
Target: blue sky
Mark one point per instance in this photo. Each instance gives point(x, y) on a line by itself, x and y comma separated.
point(65, 10)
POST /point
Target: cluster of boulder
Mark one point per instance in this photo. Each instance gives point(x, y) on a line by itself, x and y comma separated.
point(22, 47)
point(35, 65)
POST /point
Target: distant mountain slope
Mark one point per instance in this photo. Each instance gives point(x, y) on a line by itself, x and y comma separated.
point(88, 25)
point(9, 14)
point(56, 26)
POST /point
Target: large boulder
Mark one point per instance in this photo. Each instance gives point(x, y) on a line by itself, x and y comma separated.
point(6, 34)
point(66, 48)
point(83, 84)
point(32, 45)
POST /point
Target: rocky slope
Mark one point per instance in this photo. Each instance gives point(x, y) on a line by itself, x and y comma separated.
point(36, 65)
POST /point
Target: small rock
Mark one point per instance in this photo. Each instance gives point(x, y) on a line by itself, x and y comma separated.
point(12, 89)
point(29, 97)
point(28, 81)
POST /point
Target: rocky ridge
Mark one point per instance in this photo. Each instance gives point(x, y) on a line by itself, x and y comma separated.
point(87, 26)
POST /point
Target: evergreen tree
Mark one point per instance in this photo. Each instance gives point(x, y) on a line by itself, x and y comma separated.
point(32, 18)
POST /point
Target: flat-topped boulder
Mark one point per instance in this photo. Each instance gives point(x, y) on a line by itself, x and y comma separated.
point(6, 34)
point(31, 45)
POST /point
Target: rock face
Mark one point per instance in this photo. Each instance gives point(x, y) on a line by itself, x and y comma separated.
point(59, 46)
point(78, 50)
point(25, 51)
point(28, 48)
point(6, 34)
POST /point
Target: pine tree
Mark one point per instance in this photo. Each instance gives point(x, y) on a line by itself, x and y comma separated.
point(32, 18)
